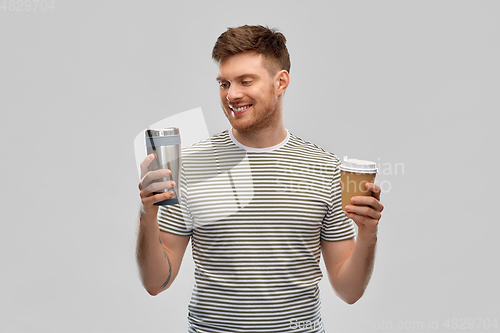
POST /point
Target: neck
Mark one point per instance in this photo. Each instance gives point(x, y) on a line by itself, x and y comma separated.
point(261, 138)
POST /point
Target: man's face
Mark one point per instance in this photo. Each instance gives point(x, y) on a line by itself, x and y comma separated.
point(247, 92)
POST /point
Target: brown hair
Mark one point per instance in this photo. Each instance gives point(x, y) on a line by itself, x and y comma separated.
point(253, 38)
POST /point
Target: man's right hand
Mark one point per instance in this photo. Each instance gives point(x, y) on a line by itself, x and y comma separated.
point(159, 253)
point(150, 182)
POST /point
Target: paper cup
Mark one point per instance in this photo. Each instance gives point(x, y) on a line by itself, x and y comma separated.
point(353, 176)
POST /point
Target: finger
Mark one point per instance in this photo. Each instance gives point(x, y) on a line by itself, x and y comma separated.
point(159, 186)
point(154, 176)
point(145, 193)
point(145, 164)
point(363, 221)
point(375, 189)
point(365, 211)
point(151, 200)
point(367, 201)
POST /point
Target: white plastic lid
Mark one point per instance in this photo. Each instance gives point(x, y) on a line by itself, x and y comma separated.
point(358, 166)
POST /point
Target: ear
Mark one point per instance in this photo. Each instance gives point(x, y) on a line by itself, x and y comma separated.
point(282, 80)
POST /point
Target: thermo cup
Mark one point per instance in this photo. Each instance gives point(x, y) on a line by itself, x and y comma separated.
point(166, 145)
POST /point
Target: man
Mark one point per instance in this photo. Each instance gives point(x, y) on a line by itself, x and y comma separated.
point(260, 205)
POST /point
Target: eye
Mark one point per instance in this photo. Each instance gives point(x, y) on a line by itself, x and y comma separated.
point(223, 84)
point(246, 83)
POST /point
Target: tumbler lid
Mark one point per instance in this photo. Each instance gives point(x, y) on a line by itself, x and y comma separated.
point(162, 137)
point(162, 132)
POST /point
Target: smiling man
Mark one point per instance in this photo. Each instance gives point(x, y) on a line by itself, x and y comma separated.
point(252, 97)
point(260, 206)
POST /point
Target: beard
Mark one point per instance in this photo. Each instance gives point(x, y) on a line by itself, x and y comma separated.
point(262, 114)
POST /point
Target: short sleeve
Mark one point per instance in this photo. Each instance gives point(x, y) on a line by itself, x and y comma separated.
point(336, 226)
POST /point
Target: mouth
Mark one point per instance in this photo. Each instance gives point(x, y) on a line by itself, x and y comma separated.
point(237, 109)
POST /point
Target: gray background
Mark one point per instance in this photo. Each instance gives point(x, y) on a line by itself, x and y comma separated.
point(412, 85)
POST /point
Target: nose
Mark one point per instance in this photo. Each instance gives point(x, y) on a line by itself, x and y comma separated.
point(233, 93)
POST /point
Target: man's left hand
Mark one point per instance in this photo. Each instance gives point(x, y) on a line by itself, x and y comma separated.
point(366, 211)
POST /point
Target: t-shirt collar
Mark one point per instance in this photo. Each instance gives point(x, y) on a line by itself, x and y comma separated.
point(258, 150)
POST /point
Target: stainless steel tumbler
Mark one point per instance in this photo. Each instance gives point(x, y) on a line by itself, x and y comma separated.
point(166, 145)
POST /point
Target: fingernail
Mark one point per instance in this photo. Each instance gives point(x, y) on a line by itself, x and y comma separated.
point(172, 183)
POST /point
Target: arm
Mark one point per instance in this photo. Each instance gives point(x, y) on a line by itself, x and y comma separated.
point(159, 254)
point(349, 263)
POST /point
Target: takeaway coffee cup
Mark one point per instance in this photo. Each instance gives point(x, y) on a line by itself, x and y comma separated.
point(353, 175)
point(166, 145)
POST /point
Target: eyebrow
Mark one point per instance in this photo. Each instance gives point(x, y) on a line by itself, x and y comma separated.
point(221, 78)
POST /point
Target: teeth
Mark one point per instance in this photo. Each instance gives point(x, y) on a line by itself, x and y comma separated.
point(241, 108)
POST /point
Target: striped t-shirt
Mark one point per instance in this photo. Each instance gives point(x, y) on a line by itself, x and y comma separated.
point(256, 217)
